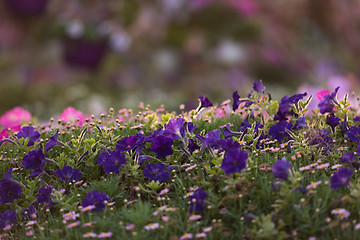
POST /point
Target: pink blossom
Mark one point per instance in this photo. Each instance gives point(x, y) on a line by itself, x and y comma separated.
point(244, 7)
point(14, 117)
point(70, 114)
point(320, 94)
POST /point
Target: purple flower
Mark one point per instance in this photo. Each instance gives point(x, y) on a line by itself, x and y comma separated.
point(229, 144)
point(333, 122)
point(228, 132)
point(112, 162)
point(175, 128)
point(326, 104)
point(234, 161)
point(53, 142)
point(281, 169)
point(44, 196)
point(154, 134)
point(341, 178)
point(9, 189)
point(131, 143)
point(204, 102)
point(7, 218)
point(278, 131)
point(347, 157)
point(211, 139)
point(197, 200)
point(162, 146)
point(300, 123)
point(354, 134)
point(29, 213)
point(236, 99)
point(192, 146)
point(34, 160)
point(68, 173)
point(357, 119)
point(322, 139)
point(258, 86)
point(30, 133)
point(285, 106)
point(96, 199)
point(156, 172)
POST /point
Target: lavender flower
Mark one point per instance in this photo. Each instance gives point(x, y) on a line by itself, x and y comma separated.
point(30, 133)
point(68, 173)
point(96, 199)
point(211, 139)
point(131, 143)
point(341, 178)
point(34, 160)
point(112, 162)
point(326, 104)
point(278, 131)
point(281, 169)
point(53, 141)
point(156, 172)
point(258, 86)
point(234, 161)
point(175, 128)
point(197, 201)
point(162, 146)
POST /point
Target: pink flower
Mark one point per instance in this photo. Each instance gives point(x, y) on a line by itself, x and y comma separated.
point(15, 117)
point(130, 227)
point(70, 114)
point(320, 94)
point(244, 7)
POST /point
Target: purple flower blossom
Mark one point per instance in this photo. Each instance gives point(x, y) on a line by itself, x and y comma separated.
point(154, 134)
point(354, 134)
point(162, 146)
point(326, 104)
point(211, 139)
point(68, 173)
point(258, 86)
point(7, 218)
point(333, 122)
point(347, 157)
point(357, 119)
point(29, 213)
point(192, 146)
point(234, 161)
point(96, 199)
point(229, 133)
point(53, 142)
point(281, 169)
point(156, 172)
point(9, 189)
point(341, 178)
point(229, 144)
point(285, 106)
point(44, 196)
point(300, 123)
point(175, 128)
point(131, 143)
point(322, 139)
point(204, 102)
point(34, 160)
point(236, 101)
point(30, 133)
point(112, 162)
point(278, 130)
point(197, 200)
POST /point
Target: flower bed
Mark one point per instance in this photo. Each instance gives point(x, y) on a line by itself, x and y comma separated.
point(251, 169)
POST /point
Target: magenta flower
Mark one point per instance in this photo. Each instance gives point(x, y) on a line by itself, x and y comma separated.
point(14, 117)
point(70, 114)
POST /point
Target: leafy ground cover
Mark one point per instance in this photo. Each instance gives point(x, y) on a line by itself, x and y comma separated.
point(249, 168)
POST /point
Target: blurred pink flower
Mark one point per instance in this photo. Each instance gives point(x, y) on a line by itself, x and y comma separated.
point(70, 114)
point(14, 117)
point(320, 94)
point(244, 7)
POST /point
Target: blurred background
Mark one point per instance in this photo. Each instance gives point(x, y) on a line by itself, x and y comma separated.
point(96, 54)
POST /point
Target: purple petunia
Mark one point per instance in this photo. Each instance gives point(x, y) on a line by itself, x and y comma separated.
point(258, 86)
point(234, 161)
point(133, 142)
point(323, 139)
point(197, 201)
point(354, 134)
point(326, 104)
point(192, 146)
point(68, 173)
point(9, 189)
point(300, 123)
point(112, 162)
point(53, 141)
point(278, 131)
point(154, 134)
point(30, 133)
point(341, 178)
point(333, 122)
point(175, 129)
point(96, 199)
point(162, 146)
point(347, 157)
point(205, 102)
point(34, 160)
point(44, 196)
point(236, 101)
point(29, 213)
point(281, 169)
point(156, 172)
point(285, 106)
point(211, 139)
point(7, 218)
